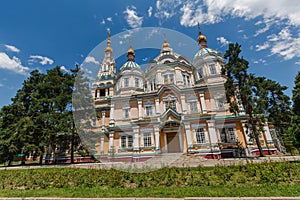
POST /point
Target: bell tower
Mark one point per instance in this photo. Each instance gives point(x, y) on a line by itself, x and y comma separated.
point(104, 84)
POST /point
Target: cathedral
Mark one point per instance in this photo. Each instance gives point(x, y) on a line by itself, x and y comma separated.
point(174, 106)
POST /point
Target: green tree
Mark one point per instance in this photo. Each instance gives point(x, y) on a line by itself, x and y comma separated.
point(243, 89)
point(293, 132)
point(40, 115)
point(83, 110)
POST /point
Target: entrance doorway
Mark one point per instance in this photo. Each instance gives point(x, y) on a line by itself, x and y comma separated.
point(173, 142)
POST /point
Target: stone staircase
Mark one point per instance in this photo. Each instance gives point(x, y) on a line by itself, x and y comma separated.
point(163, 160)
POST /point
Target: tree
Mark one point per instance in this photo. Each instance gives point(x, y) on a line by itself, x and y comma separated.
point(40, 115)
point(293, 132)
point(83, 109)
point(260, 97)
point(243, 88)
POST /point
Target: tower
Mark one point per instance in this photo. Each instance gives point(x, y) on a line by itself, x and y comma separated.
point(104, 84)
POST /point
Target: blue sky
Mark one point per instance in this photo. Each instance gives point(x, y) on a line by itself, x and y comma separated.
point(42, 34)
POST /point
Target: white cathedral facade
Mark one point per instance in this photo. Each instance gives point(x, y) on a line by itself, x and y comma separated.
point(173, 106)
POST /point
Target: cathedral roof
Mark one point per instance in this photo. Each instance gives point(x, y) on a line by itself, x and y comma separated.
point(205, 51)
point(129, 65)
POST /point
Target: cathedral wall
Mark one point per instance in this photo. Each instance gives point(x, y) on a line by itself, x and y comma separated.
point(240, 134)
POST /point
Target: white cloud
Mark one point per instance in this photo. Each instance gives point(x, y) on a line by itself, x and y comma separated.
point(91, 59)
point(166, 9)
point(1, 85)
point(150, 11)
point(109, 19)
point(297, 63)
point(212, 11)
point(223, 41)
point(13, 64)
point(132, 18)
point(263, 46)
point(12, 48)
point(40, 59)
point(288, 49)
point(270, 13)
point(63, 68)
point(284, 44)
point(103, 21)
point(259, 61)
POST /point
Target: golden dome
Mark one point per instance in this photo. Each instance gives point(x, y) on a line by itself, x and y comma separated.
point(201, 37)
point(108, 48)
point(130, 50)
point(165, 44)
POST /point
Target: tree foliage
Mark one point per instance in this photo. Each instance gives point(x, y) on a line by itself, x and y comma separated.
point(257, 97)
point(40, 119)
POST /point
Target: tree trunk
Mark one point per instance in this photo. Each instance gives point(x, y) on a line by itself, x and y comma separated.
point(41, 159)
point(72, 147)
point(261, 153)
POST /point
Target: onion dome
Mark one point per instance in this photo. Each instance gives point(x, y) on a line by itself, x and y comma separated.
point(130, 52)
point(130, 64)
point(166, 46)
point(201, 38)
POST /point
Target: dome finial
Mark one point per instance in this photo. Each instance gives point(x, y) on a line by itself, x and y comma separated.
point(130, 52)
point(201, 38)
point(165, 44)
point(108, 48)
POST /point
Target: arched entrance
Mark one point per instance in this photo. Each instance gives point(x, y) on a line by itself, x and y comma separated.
point(171, 135)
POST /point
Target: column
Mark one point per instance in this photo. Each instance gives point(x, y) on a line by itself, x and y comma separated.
point(188, 135)
point(140, 108)
point(157, 110)
point(103, 120)
point(247, 138)
point(202, 100)
point(212, 133)
point(111, 142)
point(244, 122)
point(268, 135)
point(111, 120)
point(183, 104)
point(101, 145)
point(157, 142)
point(136, 145)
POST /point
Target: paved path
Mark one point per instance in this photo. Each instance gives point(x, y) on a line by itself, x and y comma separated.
point(183, 161)
point(187, 198)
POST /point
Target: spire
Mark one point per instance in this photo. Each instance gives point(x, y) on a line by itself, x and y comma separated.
point(130, 52)
point(108, 47)
point(165, 46)
point(201, 38)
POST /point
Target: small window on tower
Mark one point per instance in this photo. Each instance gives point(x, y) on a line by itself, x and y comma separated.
point(126, 82)
point(212, 69)
point(137, 82)
point(102, 92)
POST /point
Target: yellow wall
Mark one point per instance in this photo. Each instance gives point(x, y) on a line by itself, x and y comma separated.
point(240, 133)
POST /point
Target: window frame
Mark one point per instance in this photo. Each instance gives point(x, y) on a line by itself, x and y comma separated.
point(200, 133)
point(212, 68)
point(147, 139)
point(126, 82)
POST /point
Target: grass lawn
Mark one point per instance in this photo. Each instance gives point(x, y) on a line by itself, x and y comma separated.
point(175, 192)
point(249, 180)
